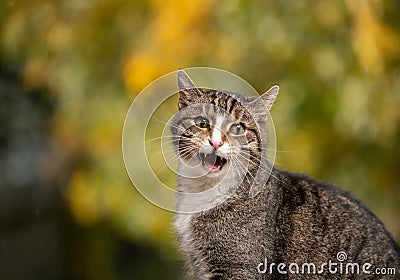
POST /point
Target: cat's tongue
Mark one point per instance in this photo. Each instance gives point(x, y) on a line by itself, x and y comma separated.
point(212, 162)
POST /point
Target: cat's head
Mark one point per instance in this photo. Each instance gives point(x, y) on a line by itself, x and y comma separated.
point(215, 130)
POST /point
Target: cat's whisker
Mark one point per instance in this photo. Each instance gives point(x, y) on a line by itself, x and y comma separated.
point(275, 162)
point(177, 155)
point(163, 151)
point(266, 149)
point(167, 124)
point(241, 174)
point(190, 145)
point(160, 138)
point(177, 140)
point(172, 150)
point(183, 144)
point(259, 167)
point(242, 168)
point(256, 164)
point(174, 138)
point(265, 170)
point(194, 154)
point(188, 149)
point(275, 150)
point(186, 152)
point(278, 164)
point(237, 168)
point(165, 166)
point(244, 153)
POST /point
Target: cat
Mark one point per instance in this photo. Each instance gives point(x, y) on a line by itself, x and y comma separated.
point(293, 228)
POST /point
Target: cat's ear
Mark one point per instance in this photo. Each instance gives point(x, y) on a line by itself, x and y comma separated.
point(184, 82)
point(262, 104)
point(187, 89)
point(269, 96)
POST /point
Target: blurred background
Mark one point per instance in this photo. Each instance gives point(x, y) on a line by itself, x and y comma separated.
point(70, 69)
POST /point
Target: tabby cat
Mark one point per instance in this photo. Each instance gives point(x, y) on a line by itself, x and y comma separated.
point(293, 228)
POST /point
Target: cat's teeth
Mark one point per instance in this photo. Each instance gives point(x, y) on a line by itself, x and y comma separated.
point(212, 162)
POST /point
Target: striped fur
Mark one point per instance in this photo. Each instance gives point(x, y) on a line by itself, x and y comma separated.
point(294, 219)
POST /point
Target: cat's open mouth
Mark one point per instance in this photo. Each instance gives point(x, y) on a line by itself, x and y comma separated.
point(212, 162)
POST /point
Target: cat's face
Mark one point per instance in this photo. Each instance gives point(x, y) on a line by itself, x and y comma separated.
point(216, 131)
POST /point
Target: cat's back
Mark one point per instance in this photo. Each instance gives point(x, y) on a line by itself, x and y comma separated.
point(317, 221)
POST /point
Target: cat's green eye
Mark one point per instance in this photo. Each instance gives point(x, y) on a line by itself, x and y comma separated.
point(202, 122)
point(237, 129)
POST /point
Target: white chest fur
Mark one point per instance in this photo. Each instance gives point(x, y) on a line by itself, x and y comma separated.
point(190, 204)
point(183, 228)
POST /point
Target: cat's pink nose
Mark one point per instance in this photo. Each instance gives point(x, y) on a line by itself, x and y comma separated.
point(215, 144)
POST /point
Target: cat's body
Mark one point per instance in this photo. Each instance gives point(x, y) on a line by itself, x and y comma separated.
point(293, 219)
